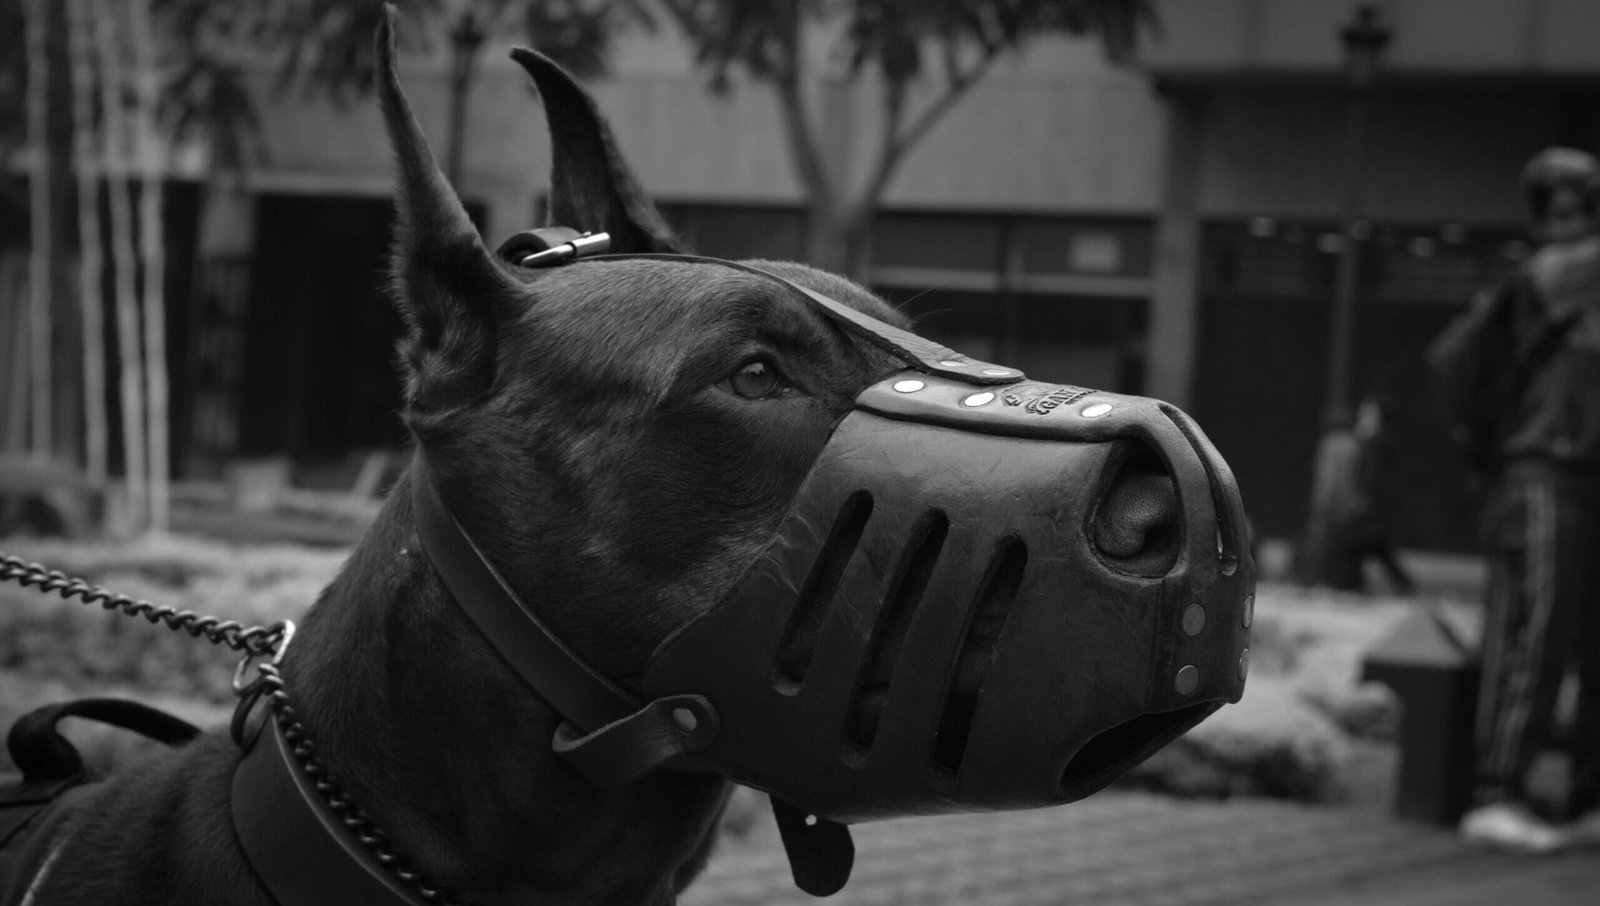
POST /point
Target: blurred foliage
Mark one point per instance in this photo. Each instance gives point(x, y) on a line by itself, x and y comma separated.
point(326, 45)
point(317, 46)
point(897, 36)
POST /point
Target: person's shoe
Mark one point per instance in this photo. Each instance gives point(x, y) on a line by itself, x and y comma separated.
point(1509, 825)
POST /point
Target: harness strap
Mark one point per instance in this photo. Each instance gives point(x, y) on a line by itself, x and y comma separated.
point(42, 753)
point(577, 691)
point(606, 735)
point(919, 353)
point(300, 850)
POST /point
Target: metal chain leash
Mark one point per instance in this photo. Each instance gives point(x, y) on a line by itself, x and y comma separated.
point(254, 642)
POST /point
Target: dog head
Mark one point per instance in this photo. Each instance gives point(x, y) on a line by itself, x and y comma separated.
point(669, 459)
point(620, 437)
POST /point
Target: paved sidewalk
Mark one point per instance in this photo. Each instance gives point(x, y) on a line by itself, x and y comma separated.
point(1134, 849)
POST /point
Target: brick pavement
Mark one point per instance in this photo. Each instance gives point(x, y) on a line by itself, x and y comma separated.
point(1135, 849)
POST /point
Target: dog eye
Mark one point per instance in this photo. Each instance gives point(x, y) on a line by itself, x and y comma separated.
point(756, 380)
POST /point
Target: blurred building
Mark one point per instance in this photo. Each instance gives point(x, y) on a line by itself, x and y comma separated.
point(1256, 97)
point(1169, 228)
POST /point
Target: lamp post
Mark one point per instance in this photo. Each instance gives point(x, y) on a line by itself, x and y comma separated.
point(466, 40)
point(1364, 39)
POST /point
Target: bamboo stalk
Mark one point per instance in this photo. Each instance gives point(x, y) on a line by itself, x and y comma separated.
point(91, 260)
point(124, 262)
point(153, 252)
point(41, 227)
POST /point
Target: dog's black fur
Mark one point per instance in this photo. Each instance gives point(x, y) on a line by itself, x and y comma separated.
point(584, 426)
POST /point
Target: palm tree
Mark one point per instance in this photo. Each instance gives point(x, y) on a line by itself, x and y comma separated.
point(115, 151)
point(41, 213)
point(329, 43)
point(953, 43)
point(90, 259)
point(152, 259)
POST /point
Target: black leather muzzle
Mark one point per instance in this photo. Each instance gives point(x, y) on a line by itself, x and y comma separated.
point(935, 627)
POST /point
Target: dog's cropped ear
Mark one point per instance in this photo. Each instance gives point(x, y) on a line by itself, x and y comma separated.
point(449, 288)
point(591, 186)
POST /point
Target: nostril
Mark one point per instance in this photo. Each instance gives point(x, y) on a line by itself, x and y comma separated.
point(1136, 523)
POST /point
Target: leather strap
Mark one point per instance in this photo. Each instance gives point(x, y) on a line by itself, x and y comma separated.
point(661, 734)
point(919, 353)
point(577, 691)
point(40, 751)
point(821, 852)
point(299, 848)
point(608, 736)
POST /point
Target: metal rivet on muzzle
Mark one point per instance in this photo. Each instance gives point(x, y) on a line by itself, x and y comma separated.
point(978, 399)
point(1188, 680)
point(1097, 410)
point(1194, 619)
point(1244, 664)
point(685, 719)
point(909, 386)
point(1249, 611)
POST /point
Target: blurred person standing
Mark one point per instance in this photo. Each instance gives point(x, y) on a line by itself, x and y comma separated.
point(1519, 376)
point(1352, 502)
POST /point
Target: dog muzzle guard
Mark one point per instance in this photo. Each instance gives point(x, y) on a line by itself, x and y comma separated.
point(933, 628)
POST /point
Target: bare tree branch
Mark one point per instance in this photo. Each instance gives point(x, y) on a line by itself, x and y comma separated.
point(897, 141)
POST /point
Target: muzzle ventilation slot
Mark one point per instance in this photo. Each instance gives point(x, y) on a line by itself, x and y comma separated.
point(889, 630)
point(1114, 751)
point(799, 641)
point(1227, 532)
point(986, 624)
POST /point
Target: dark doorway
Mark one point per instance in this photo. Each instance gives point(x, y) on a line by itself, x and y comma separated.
point(1266, 294)
point(319, 360)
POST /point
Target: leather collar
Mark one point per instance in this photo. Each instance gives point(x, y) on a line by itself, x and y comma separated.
point(300, 850)
point(606, 734)
point(576, 690)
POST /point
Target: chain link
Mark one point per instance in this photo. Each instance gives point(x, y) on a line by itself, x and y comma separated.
point(254, 641)
point(351, 816)
point(267, 642)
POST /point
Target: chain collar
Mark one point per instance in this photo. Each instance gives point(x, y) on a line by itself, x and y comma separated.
point(308, 843)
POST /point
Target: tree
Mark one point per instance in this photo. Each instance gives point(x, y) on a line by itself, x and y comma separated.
point(41, 214)
point(152, 258)
point(117, 149)
point(91, 262)
point(86, 73)
point(950, 43)
point(329, 43)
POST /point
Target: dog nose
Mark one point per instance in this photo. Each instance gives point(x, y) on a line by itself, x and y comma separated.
point(1135, 525)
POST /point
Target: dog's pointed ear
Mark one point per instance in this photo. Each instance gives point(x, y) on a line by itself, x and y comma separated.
point(449, 288)
point(591, 186)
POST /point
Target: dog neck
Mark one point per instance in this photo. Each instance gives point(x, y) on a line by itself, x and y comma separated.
point(449, 752)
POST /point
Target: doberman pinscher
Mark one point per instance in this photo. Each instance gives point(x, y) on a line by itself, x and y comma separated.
point(622, 438)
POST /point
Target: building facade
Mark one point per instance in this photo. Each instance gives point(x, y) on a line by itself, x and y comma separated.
point(1170, 227)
